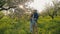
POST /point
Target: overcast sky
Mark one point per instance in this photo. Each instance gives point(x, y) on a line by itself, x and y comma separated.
point(40, 4)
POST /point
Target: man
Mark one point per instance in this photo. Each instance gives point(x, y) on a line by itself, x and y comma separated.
point(33, 20)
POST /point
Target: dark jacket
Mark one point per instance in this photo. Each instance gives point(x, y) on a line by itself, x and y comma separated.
point(34, 16)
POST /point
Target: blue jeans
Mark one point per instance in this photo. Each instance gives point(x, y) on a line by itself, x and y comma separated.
point(32, 22)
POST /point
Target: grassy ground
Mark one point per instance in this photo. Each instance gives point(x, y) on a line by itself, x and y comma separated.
point(46, 25)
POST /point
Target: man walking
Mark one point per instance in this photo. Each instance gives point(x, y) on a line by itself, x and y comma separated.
point(33, 21)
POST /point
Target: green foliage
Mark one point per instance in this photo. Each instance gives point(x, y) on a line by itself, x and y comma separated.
point(21, 25)
point(49, 26)
point(2, 2)
point(1, 15)
point(13, 26)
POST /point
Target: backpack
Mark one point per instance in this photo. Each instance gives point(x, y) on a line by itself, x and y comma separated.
point(35, 15)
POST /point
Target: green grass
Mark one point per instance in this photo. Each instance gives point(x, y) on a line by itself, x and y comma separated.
point(22, 26)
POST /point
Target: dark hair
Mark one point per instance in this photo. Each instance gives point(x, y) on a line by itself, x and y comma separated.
point(35, 10)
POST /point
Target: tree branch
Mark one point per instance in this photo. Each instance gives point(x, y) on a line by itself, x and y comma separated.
point(2, 8)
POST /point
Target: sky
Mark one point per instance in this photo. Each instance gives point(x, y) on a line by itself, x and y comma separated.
point(39, 4)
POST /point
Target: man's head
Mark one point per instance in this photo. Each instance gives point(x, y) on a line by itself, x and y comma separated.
point(34, 11)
